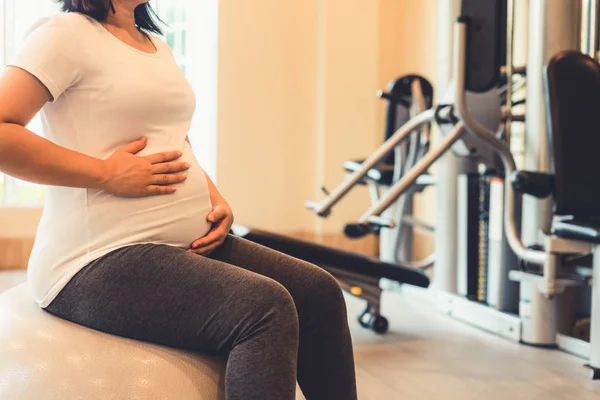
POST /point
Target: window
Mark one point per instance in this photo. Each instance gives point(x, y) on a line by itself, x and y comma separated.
point(191, 33)
point(16, 16)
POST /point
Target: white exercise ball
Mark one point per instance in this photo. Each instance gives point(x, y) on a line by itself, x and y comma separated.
point(45, 357)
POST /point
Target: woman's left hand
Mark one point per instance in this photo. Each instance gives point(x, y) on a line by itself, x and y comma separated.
point(221, 218)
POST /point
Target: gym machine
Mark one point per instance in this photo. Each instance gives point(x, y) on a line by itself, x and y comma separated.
point(535, 287)
point(530, 291)
point(407, 96)
point(557, 292)
point(538, 260)
point(357, 274)
point(412, 157)
point(572, 92)
point(485, 91)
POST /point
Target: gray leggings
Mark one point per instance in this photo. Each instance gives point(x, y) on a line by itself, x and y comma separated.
point(278, 318)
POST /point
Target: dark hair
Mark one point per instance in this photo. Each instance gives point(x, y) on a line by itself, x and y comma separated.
point(145, 17)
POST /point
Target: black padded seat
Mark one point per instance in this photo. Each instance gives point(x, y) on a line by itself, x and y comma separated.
point(572, 90)
point(588, 231)
point(325, 256)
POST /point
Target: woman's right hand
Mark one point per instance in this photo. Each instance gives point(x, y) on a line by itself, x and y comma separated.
point(129, 175)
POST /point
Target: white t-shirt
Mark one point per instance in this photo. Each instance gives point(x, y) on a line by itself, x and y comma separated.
point(107, 94)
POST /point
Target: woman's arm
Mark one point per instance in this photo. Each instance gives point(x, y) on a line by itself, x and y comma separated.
point(30, 157)
point(221, 218)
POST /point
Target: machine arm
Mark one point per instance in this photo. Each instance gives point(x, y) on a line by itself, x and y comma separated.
point(488, 137)
point(323, 208)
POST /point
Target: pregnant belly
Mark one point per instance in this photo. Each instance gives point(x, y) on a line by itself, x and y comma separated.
point(176, 219)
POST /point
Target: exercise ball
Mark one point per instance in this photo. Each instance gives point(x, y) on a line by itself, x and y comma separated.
point(45, 357)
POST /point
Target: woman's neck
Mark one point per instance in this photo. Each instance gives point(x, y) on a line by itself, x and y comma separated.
point(123, 18)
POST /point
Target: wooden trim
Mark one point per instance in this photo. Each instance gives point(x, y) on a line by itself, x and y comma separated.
point(14, 253)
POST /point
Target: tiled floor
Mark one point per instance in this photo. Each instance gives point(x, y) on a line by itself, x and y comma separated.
point(427, 355)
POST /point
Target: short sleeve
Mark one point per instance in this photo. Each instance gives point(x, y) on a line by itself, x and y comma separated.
point(51, 52)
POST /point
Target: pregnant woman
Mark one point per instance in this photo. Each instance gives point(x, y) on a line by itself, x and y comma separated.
point(134, 240)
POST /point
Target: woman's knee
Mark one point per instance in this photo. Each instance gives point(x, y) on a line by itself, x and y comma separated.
point(328, 288)
point(269, 315)
point(321, 293)
point(275, 304)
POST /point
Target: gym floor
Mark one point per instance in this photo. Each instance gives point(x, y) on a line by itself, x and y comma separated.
point(427, 355)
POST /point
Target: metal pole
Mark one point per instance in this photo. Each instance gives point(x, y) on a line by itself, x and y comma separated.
point(585, 23)
point(512, 235)
point(446, 169)
point(593, 28)
point(595, 320)
point(553, 27)
point(510, 22)
point(589, 27)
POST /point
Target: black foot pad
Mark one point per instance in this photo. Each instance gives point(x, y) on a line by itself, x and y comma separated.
point(376, 322)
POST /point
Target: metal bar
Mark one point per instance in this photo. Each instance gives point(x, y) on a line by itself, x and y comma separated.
point(593, 28)
point(322, 208)
point(595, 320)
point(481, 316)
point(446, 167)
point(510, 18)
point(488, 137)
point(549, 282)
point(418, 224)
point(521, 83)
point(399, 239)
point(423, 263)
point(374, 191)
point(516, 69)
point(589, 27)
point(585, 24)
point(411, 176)
point(574, 346)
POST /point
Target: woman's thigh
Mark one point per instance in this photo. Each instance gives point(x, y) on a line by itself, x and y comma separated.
point(166, 295)
point(310, 286)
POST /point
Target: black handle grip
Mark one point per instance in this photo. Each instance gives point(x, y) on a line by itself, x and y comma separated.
point(537, 184)
point(357, 230)
point(393, 99)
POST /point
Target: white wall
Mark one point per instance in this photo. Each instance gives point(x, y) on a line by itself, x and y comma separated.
point(347, 125)
point(266, 110)
point(19, 222)
point(297, 85)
